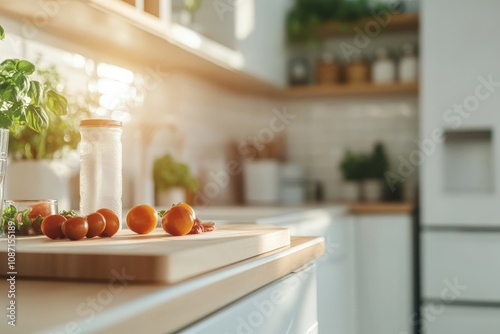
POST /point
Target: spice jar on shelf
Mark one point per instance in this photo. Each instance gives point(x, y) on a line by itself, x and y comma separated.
point(357, 71)
point(383, 67)
point(327, 70)
point(298, 72)
point(408, 64)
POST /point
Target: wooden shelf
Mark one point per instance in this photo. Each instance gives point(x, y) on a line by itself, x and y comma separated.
point(398, 23)
point(128, 36)
point(351, 90)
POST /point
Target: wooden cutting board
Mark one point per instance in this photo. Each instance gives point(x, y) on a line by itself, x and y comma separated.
point(155, 257)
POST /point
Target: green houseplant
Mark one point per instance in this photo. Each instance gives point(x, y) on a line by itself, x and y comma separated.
point(172, 179)
point(62, 133)
point(354, 171)
point(378, 165)
point(24, 101)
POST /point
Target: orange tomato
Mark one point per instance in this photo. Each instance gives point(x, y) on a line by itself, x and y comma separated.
point(112, 222)
point(142, 219)
point(42, 209)
point(75, 228)
point(52, 226)
point(97, 224)
point(179, 220)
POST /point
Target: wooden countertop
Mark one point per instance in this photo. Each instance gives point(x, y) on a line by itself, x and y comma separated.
point(122, 306)
point(381, 208)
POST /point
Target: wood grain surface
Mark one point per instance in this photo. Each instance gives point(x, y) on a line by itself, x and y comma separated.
point(155, 257)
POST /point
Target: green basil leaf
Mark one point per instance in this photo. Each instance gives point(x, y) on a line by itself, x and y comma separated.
point(35, 92)
point(21, 81)
point(36, 118)
point(10, 93)
point(2, 33)
point(57, 103)
point(5, 121)
point(9, 65)
point(25, 67)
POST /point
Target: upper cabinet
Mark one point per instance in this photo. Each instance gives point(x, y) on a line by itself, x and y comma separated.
point(144, 32)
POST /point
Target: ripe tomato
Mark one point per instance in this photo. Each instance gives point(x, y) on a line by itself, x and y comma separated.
point(112, 222)
point(42, 209)
point(97, 224)
point(142, 219)
point(75, 228)
point(52, 226)
point(179, 220)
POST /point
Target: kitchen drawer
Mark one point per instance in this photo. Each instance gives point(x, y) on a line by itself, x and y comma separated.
point(461, 265)
point(288, 305)
point(460, 320)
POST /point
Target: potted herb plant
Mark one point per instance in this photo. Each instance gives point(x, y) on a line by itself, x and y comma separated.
point(373, 185)
point(25, 101)
point(353, 168)
point(171, 179)
point(37, 169)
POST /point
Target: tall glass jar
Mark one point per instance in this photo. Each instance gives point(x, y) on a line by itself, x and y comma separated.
point(4, 150)
point(101, 166)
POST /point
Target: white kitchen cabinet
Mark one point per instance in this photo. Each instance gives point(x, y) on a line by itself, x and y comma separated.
point(383, 273)
point(451, 319)
point(468, 261)
point(288, 305)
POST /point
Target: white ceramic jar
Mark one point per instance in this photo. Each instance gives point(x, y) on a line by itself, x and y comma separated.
point(383, 67)
point(408, 64)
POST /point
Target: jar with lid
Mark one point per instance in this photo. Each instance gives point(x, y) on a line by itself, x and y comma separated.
point(327, 70)
point(408, 64)
point(383, 67)
point(101, 166)
point(298, 71)
point(357, 71)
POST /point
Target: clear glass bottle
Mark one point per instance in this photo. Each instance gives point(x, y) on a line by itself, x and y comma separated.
point(101, 166)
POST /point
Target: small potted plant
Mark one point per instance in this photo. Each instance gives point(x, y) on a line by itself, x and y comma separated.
point(25, 101)
point(354, 171)
point(37, 157)
point(373, 185)
point(172, 179)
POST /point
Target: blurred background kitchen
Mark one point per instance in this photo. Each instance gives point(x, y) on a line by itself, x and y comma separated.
point(361, 105)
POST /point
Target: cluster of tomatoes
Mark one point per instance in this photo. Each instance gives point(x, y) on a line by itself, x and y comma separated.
point(179, 220)
point(103, 223)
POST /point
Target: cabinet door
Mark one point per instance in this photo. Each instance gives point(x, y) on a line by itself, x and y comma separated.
point(451, 319)
point(288, 305)
point(462, 266)
point(383, 247)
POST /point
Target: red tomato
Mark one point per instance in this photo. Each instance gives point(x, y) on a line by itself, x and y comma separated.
point(97, 224)
point(112, 222)
point(52, 226)
point(75, 228)
point(142, 219)
point(42, 209)
point(178, 220)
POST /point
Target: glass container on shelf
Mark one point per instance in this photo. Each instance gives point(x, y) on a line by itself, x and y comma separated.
point(327, 70)
point(298, 72)
point(408, 64)
point(383, 67)
point(357, 71)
